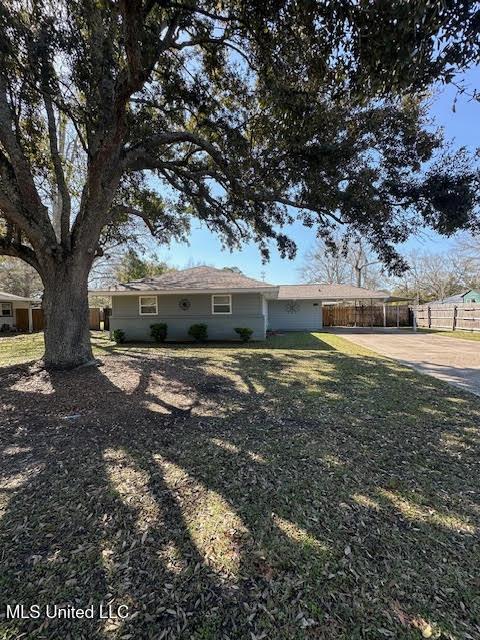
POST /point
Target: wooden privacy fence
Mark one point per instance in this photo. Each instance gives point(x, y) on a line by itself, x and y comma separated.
point(21, 319)
point(107, 312)
point(464, 316)
point(38, 319)
point(366, 316)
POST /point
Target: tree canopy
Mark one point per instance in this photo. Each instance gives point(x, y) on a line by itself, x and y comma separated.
point(133, 267)
point(244, 115)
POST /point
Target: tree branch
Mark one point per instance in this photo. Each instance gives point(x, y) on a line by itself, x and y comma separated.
point(119, 209)
point(139, 159)
point(202, 12)
point(17, 250)
point(203, 40)
point(38, 222)
point(11, 205)
point(65, 200)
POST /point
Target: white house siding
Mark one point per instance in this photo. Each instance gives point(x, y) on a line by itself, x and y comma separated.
point(265, 313)
point(247, 311)
point(295, 315)
point(11, 320)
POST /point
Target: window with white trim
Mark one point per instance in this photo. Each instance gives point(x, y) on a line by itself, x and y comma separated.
point(222, 304)
point(6, 309)
point(148, 305)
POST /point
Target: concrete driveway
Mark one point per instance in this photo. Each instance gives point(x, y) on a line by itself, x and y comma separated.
point(453, 360)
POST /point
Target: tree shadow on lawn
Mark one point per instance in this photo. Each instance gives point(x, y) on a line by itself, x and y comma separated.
point(291, 341)
point(230, 494)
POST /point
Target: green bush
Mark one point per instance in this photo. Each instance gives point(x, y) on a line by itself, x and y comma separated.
point(159, 331)
point(198, 332)
point(119, 336)
point(245, 333)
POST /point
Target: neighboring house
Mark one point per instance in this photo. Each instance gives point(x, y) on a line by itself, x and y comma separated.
point(470, 295)
point(223, 300)
point(16, 312)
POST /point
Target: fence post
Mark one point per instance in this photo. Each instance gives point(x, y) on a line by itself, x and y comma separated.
point(107, 312)
point(414, 318)
point(398, 317)
point(384, 315)
point(454, 321)
point(429, 316)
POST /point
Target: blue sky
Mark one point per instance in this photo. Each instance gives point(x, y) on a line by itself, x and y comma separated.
point(461, 126)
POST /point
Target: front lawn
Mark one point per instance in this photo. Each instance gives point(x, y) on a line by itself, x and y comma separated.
point(300, 489)
point(27, 347)
point(20, 348)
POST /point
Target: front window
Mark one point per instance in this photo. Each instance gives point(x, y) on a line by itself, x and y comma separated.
point(148, 305)
point(222, 304)
point(6, 309)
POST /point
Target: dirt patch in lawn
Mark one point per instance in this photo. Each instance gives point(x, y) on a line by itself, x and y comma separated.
point(240, 492)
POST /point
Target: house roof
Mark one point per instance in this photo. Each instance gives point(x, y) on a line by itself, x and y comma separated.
point(456, 298)
point(9, 297)
point(209, 279)
point(194, 279)
point(327, 292)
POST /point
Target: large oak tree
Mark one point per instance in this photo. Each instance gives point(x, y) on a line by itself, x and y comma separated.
point(243, 114)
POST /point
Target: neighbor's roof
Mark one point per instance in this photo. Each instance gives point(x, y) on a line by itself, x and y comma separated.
point(9, 297)
point(195, 279)
point(458, 297)
point(327, 292)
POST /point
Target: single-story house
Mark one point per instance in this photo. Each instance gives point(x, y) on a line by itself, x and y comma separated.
point(16, 312)
point(470, 295)
point(223, 299)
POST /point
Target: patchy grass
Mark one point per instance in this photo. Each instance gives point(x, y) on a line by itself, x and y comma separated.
point(27, 347)
point(464, 335)
point(300, 489)
point(20, 348)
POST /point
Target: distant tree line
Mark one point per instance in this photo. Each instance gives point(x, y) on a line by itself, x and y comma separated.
point(430, 275)
point(435, 276)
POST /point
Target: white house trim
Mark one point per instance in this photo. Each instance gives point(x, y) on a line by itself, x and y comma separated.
point(221, 304)
point(140, 305)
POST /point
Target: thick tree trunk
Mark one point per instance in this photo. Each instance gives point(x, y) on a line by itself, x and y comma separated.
point(65, 305)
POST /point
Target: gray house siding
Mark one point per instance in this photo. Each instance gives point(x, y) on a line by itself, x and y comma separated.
point(305, 316)
point(247, 311)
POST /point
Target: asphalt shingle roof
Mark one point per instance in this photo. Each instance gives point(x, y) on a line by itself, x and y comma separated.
point(211, 279)
point(327, 292)
point(200, 278)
